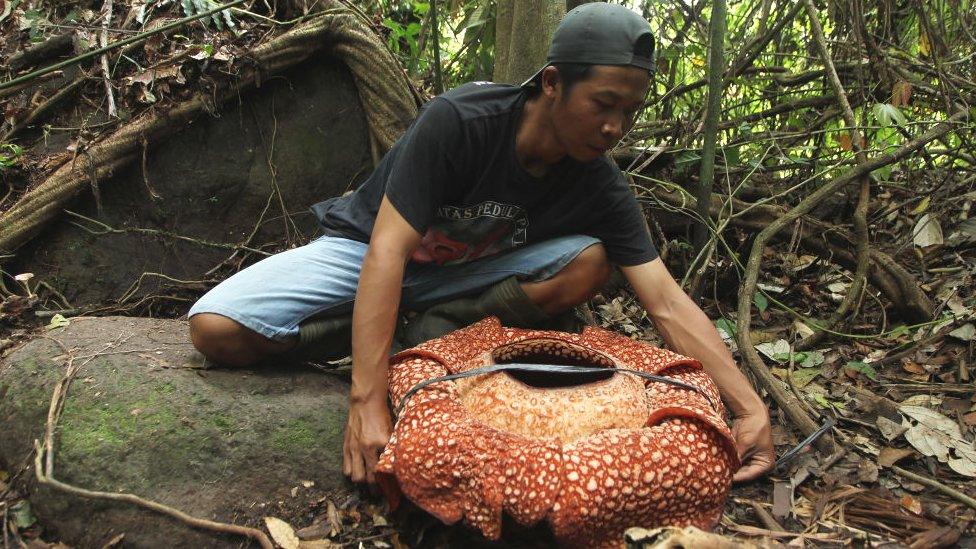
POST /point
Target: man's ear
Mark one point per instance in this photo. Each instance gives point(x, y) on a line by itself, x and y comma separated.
point(551, 82)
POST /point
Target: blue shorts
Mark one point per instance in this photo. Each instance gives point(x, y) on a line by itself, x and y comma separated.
point(273, 296)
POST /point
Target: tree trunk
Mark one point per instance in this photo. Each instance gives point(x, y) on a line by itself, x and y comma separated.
point(523, 30)
point(570, 4)
point(716, 67)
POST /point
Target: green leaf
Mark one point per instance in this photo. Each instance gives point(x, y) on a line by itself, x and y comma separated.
point(761, 302)
point(57, 321)
point(725, 325)
point(731, 155)
point(686, 158)
point(862, 368)
point(886, 113)
point(22, 515)
point(802, 378)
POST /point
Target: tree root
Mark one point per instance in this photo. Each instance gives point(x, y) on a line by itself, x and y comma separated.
point(383, 88)
point(784, 399)
point(898, 285)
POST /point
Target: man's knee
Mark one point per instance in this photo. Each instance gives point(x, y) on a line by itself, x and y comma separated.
point(577, 282)
point(222, 340)
point(593, 269)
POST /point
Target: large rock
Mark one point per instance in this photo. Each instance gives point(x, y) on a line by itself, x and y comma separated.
point(145, 416)
point(213, 180)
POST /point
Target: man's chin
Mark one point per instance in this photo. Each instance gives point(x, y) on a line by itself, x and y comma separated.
point(587, 154)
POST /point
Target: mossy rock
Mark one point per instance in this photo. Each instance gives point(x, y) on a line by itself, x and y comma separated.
point(147, 416)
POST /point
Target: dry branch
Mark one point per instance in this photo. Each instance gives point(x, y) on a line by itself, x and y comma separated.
point(862, 250)
point(786, 402)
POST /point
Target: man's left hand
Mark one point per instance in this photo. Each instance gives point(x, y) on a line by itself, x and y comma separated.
point(754, 442)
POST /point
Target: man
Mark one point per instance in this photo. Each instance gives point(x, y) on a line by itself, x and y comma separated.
point(498, 200)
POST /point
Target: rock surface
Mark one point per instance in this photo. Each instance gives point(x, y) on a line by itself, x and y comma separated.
point(146, 416)
point(213, 180)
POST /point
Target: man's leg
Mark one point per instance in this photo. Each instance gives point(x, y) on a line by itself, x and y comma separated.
point(528, 287)
point(268, 308)
point(575, 284)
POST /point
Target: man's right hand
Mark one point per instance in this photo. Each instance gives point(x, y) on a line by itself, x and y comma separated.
point(367, 432)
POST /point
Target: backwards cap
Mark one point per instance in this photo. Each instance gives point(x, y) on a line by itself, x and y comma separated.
point(598, 33)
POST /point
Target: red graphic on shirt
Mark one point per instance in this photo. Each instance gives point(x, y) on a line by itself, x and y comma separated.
point(459, 235)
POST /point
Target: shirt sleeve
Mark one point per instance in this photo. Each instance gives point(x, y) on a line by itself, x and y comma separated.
point(622, 227)
point(426, 163)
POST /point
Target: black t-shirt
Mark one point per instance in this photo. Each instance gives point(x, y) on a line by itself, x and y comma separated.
point(455, 178)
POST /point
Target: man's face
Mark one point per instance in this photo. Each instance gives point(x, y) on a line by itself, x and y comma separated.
point(598, 110)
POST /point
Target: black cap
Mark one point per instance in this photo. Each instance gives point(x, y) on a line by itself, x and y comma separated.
point(598, 33)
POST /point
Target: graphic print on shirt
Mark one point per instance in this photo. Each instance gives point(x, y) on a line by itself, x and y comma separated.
point(462, 234)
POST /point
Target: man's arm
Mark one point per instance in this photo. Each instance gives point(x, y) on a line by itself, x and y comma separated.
point(688, 331)
point(373, 323)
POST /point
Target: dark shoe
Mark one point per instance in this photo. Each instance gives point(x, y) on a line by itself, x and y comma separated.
point(505, 300)
point(323, 339)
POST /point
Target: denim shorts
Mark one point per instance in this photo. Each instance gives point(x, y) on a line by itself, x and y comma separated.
point(273, 296)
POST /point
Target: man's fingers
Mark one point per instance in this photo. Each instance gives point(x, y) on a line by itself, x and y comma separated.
point(749, 472)
point(358, 472)
point(346, 456)
point(752, 470)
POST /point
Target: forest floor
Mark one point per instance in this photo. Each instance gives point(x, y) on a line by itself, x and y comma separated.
point(896, 397)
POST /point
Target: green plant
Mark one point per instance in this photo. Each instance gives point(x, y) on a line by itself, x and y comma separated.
point(10, 155)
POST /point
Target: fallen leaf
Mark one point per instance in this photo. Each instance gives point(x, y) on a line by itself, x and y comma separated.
point(114, 542)
point(308, 483)
point(22, 514)
point(775, 350)
point(802, 329)
point(867, 471)
point(863, 368)
point(782, 499)
point(889, 429)
point(928, 401)
point(927, 232)
point(335, 523)
point(282, 533)
point(914, 368)
point(890, 456)
point(922, 206)
point(911, 504)
point(379, 520)
point(966, 332)
point(935, 435)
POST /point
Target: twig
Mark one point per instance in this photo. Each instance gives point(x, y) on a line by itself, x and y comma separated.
point(130, 40)
point(107, 229)
point(744, 315)
point(936, 485)
point(106, 73)
point(862, 249)
point(47, 105)
point(765, 517)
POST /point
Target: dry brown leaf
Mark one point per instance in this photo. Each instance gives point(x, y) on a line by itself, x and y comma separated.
point(969, 419)
point(901, 93)
point(867, 471)
point(282, 533)
point(889, 429)
point(114, 542)
point(911, 504)
point(335, 523)
point(890, 456)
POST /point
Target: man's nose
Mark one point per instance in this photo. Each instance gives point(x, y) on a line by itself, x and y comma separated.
point(613, 127)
